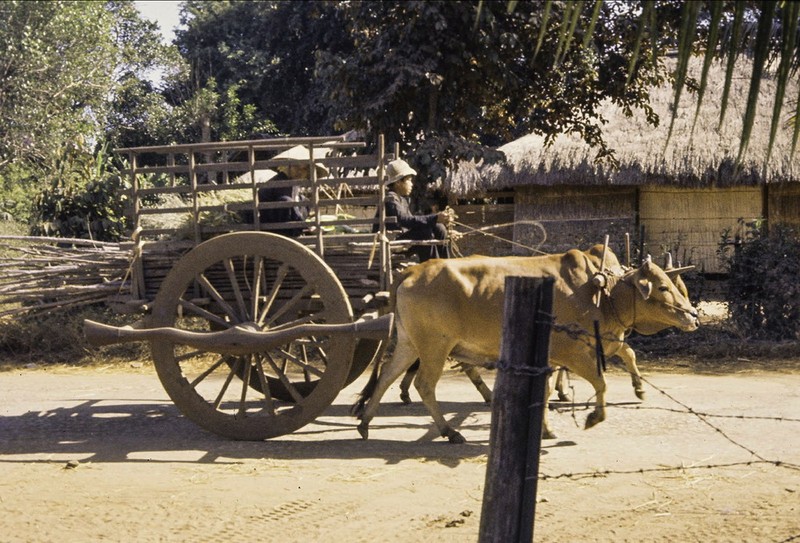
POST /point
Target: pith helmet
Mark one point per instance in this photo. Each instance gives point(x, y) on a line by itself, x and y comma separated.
point(397, 170)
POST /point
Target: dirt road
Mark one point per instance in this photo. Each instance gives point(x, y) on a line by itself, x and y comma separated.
point(101, 455)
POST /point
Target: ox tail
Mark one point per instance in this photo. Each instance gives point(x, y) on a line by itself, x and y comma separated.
point(357, 410)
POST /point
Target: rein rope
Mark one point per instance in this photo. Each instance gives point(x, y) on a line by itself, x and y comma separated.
point(454, 234)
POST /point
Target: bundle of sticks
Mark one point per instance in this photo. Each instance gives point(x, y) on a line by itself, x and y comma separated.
point(46, 274)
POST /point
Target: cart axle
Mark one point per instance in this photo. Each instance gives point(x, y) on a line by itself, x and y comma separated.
point(240, 339)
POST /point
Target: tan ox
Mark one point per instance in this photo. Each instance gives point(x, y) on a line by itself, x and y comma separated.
point(455, 306)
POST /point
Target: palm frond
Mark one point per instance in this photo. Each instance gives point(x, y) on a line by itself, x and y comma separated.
point(587, 37)
point(734, 45)
point(711, 48)
point(760, 54)
point(548, 5)
point(685, 51)
point(644, 19)
point(789, 25)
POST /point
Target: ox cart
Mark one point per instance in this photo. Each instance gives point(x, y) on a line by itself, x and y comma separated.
point(252, 333)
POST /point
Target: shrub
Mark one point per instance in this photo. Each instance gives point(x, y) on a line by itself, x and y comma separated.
point(763, 291)
point(81, 198)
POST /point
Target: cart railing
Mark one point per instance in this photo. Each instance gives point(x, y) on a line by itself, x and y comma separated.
point(181, 195)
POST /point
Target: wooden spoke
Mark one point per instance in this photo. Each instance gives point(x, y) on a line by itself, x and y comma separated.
point(296, 396)
point(227, 383)
point(207, 372)
point(214, 293)
point(237, 292)
point(258, 277)
point(285, 308)
point(274, 283)
point(276, 286)
point(200, 312)
point(262, 379)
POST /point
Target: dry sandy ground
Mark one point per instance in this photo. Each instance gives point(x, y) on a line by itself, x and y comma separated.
point(101, 455)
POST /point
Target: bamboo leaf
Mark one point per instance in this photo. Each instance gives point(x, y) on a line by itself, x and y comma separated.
point(796, 133)
point(562, 33)
point(575, 14)
point(759, 60)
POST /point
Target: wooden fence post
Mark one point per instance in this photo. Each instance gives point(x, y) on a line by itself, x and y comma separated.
point(512, 469)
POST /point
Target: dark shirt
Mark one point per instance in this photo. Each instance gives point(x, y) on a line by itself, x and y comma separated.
point(398, 206)
point(284, 214)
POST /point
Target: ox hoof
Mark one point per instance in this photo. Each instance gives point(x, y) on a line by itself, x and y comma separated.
point(405, 398)
point(562, 397)
point(639, 394)
point(593, 419)
point(454, 437)
point(547, 434)
point(363, 430)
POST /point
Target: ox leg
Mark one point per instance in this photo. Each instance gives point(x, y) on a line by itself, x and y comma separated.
point(405, 384)
point(546, 432)
point(402, 359)
point(562, 394)
point(598, 382)
point(475, 377)
point(628, 356)
point(430, 371)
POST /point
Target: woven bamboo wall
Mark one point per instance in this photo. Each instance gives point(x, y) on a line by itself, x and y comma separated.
point(576, 216)
point(784, 204)
point(690, 222)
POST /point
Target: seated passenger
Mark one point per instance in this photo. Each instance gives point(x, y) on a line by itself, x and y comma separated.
point(292, 170)
point(419, 227)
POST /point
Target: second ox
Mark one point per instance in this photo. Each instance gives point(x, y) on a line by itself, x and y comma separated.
point(455, 306)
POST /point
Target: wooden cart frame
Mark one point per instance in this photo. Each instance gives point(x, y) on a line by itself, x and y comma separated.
point(252, 333)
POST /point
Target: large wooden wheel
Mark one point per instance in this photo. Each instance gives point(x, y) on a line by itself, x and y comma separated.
point(259, 281)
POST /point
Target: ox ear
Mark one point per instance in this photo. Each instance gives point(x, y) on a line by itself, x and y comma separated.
point(643, 285)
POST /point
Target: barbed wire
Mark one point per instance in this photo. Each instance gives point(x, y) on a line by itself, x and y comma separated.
point(687, 410)
point(661, 469)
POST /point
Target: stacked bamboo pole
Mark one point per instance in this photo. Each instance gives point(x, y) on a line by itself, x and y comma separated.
point(46, 274)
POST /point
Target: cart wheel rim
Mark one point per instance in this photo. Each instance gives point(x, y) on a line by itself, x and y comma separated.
point(268, 281)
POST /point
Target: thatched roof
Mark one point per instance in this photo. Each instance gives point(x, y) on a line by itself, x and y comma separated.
point(705, 159)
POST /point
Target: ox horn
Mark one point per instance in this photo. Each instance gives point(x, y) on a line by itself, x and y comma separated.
point(674, 272)
point(668, 261)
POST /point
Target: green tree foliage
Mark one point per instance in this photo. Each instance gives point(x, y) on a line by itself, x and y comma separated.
point(56, 72)
point(68, 71)
point(450, 80)
point(139, 112)
point(266, 52)
point(440, 78)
